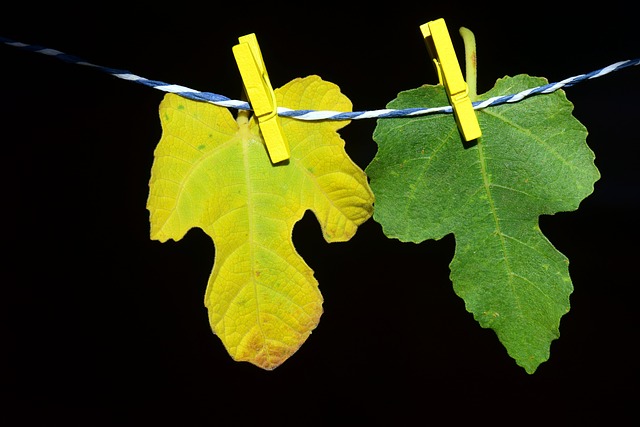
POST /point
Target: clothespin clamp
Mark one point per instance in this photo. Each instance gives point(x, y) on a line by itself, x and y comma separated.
point(440, 48)
point(261, 96)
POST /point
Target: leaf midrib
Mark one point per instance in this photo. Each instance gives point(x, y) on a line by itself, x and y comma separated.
point(251, 234)
point(486, 181)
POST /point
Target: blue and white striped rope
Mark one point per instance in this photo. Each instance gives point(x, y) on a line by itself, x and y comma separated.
point(223, 101)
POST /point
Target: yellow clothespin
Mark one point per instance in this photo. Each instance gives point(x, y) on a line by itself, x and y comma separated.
point(440, 47)
point(261, 96)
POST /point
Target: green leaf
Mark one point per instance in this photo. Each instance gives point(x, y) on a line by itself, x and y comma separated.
point(531, 160)
point(213, 172)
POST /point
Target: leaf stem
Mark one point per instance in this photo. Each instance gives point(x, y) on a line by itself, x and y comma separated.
point(470, 60)
point(243, 115)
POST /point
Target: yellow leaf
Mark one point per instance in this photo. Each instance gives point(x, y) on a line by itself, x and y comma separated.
point(213, 172)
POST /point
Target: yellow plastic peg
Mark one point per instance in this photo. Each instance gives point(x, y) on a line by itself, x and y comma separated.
point(440, 48)
point(261, 96)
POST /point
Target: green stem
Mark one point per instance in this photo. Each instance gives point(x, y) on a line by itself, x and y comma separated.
point(470, 61)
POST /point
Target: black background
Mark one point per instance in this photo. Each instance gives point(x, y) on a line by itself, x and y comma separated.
point(103, 327)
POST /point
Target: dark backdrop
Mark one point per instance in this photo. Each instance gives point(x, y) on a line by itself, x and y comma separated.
point(103, 327)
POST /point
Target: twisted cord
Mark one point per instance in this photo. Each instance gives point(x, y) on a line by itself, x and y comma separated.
point(223, 101)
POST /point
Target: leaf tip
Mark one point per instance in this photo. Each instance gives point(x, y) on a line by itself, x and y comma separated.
point(256, 350)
